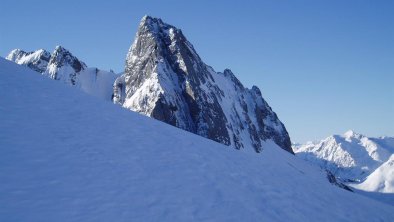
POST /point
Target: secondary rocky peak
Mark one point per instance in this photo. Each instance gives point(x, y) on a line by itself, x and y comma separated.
point(61, 57)
point(36, 60)
point(64, 66)
point(166, 79)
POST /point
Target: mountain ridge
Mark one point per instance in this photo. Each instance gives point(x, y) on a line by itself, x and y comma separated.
point(63, 66)
point(355, 159)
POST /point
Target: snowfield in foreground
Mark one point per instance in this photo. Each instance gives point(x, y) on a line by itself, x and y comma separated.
point(66, 156)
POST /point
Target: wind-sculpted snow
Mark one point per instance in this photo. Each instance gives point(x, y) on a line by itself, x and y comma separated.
point(65, 156)
point(167, 80)
point(63, 66)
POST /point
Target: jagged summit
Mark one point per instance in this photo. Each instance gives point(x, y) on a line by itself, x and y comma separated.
point(63, 57)
point(149, 21)
point(155, 24)
point(166, 79)
point(60, 48)
point(64, 66)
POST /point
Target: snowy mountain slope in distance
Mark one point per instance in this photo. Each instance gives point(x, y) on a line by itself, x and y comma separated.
point(166, 79)
point(63, 66)
point(66, 156)
point(363, 163)
point(380, 180)
point(351, 156)
point(37, 60)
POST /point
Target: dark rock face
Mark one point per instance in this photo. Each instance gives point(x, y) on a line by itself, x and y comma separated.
point(61, 56)
point(166, 79)
point(64, 66)
point(333, 180)
point(119, 88)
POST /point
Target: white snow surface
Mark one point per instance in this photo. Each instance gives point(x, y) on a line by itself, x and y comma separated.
point(67, 156)
point(92, 81)
point(364, 163)
point(96, 82)
point(381, 180)
point(351, 156)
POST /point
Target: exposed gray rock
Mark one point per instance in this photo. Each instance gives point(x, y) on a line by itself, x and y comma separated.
point(333, 180)
point(166, 79)
point(64, 66)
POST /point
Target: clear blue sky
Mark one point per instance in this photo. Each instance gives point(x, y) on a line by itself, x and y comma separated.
point(324, 66)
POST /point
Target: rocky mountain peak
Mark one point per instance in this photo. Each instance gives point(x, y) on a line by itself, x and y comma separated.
point(158, 27)
point(166, 79)
point(150, 22)
point(61, 57)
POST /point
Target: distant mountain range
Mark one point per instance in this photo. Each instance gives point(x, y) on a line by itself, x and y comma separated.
point(362, 162)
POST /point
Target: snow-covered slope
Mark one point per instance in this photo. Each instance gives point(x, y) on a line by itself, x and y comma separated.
point(167, 80)
point(381, 180)
point(63, 66)
point(353, 157)
point(66, 156)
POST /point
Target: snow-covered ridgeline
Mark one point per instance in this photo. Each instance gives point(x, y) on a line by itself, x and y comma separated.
point(364, 162)
point(63, 66)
